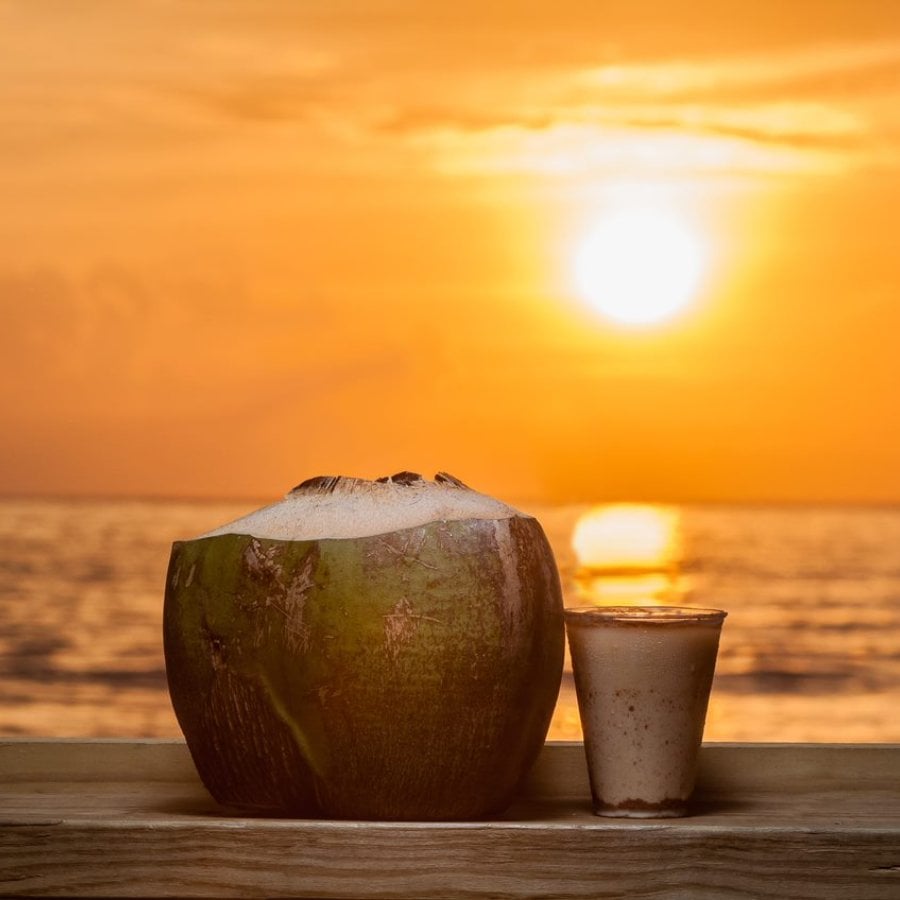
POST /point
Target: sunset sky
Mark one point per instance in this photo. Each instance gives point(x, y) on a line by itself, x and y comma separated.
point(246, 242)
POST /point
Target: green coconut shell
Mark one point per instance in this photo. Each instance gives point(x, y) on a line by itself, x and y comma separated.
point(407, 675)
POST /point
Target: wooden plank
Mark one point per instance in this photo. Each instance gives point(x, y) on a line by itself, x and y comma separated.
point(560, 769)
point(109, 759)
point(130, 819)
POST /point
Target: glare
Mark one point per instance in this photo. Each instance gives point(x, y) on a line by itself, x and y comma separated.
point(627, 537)
point(640, 265)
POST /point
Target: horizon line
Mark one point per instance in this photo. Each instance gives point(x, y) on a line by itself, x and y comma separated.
point(265, 500)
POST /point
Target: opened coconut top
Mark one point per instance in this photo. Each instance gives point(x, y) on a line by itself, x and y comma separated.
point(338, 507)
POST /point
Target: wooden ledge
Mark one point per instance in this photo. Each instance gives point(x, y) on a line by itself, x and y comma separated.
point(130, 818)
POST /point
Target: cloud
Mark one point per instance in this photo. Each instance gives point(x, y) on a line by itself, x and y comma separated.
point(788, 122)
point(799, 71)
point(269, 85)
point(262, 98)
point(628, 152)
point(825, 110)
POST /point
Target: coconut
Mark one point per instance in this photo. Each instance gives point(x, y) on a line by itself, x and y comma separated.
point(386, 649)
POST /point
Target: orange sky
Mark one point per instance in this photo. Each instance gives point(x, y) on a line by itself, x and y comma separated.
point(244, 243)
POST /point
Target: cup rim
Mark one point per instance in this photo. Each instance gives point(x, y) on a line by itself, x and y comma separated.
point(656, 615)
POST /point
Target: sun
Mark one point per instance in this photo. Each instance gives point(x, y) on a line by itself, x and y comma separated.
point(640, 265)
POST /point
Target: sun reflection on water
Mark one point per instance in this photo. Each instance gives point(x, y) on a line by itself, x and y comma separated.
point(628, 554)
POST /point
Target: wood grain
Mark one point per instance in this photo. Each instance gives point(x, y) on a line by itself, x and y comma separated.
point(119, 818)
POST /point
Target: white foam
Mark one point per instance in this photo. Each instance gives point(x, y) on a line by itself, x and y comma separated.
point(354, 507)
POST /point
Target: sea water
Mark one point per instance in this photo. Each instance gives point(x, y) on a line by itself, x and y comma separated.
point(810, 650)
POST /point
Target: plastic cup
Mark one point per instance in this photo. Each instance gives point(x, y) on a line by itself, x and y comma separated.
point(642, 677)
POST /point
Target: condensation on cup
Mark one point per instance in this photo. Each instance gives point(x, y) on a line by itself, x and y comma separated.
point(642, 677)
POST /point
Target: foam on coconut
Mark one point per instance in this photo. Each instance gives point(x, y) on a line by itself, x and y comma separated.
point(338, 507)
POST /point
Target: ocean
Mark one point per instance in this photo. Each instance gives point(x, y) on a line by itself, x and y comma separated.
point(810, 650)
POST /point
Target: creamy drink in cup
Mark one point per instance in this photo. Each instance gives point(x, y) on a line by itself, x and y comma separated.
point(642, 678)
